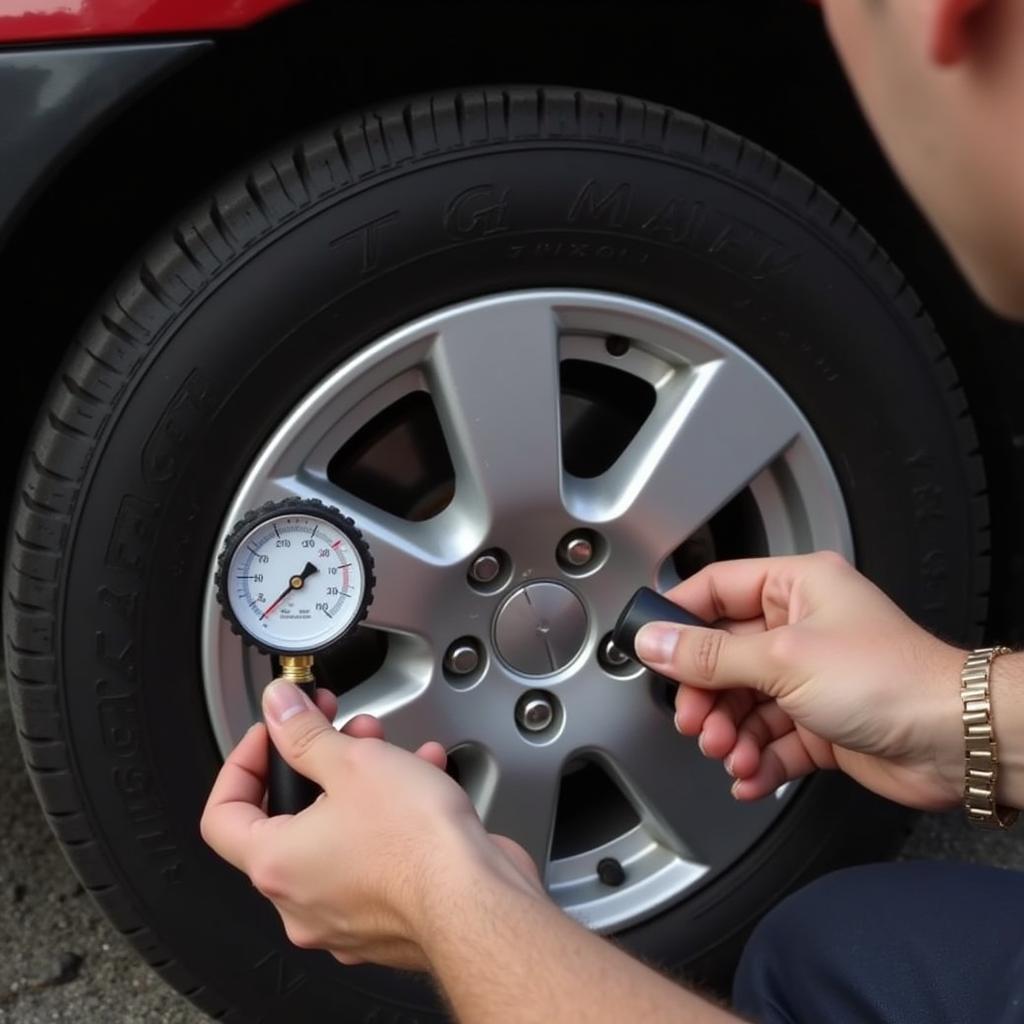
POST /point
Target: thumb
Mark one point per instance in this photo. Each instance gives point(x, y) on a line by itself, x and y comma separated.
point(711, 659)
point(303, 736)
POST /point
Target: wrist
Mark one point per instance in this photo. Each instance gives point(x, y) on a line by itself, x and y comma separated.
point(1005, 682)
point(1006, 687)
point(942, 718)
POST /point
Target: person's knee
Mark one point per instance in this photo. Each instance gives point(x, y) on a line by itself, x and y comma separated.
point(764, 982)
point(874, 943)
point(761, 985)
point(800, 945)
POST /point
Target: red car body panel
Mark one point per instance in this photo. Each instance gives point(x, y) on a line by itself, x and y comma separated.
point(36, 21)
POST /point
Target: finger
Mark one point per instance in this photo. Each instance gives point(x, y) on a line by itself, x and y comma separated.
point(692, 707)
point(434, 754)
point(745, 757)
point(709, 658)
point(236, 800)
point(693, 704)
point(765, 723)
point(327, 703)
point(750, 587)
point(364, 727)
point(306, 740)
point(718, 736)
point(727, 590)
point(742, 627)
point(783, 760)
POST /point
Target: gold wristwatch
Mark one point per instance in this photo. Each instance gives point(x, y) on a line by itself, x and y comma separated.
point(981, 761)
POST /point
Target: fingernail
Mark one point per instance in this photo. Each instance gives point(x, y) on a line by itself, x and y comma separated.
point(734, 788)
point(656, 643)
point(728, 764)
point(677, 724)
point(284, 700)
point(700, 744)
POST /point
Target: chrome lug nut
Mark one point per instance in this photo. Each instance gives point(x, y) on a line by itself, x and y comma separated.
point(576, 550)
point(462, 658)
point(485, 567)
point(614, 660)
point(535, 714)
point(612, 655)
point(579, 551)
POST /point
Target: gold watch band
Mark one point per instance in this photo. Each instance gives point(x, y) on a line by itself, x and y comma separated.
point(981, 761)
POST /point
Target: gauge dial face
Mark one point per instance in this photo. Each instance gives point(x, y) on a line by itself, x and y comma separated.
point(295, 583)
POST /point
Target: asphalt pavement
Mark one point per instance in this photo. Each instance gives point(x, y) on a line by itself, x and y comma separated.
point(61, 961)
point(59, 958)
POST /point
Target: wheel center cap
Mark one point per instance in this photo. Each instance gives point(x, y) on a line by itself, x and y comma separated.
point(540, 628)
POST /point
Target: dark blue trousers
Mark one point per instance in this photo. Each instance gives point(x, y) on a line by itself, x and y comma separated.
point(911, 943)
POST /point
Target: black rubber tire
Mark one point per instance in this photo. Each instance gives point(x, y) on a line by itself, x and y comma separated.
point(291, 266)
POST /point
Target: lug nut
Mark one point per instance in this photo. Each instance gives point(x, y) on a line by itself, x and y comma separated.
point(576, 550)
point(485, 568)
point(612, 656)
point(579, 551)
point(535, 714)
point(462, 658)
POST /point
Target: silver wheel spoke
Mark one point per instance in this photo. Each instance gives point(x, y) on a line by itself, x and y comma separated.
point(495, 379)
point(410, 710)
point(682, 797)
point(712, 430)
point(518, 797)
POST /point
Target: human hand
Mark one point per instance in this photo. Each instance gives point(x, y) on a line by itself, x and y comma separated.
point(349, 873)
point(812, 666)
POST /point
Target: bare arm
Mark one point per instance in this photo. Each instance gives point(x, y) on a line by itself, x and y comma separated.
point(811, 666)
point(502, 951)
point(392, 865)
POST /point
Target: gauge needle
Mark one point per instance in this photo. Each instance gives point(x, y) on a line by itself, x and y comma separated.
point(295, 583)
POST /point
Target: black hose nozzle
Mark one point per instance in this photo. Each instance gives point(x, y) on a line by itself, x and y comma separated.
point(645, 606)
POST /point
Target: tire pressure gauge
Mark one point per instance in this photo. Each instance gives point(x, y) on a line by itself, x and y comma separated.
point(293, 578)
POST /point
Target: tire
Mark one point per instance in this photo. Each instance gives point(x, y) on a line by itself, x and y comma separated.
point(237, 311)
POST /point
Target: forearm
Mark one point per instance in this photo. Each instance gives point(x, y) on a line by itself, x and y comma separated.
point(502, 952)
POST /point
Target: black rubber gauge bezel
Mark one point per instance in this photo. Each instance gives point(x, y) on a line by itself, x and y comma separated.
point(276, 510)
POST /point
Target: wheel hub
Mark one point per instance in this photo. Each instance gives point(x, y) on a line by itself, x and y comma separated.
point(540, 629)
